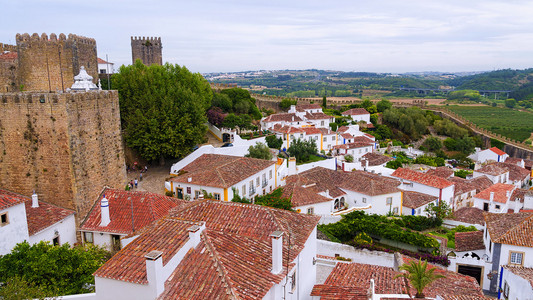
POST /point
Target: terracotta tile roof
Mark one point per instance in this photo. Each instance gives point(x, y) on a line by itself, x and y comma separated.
point(347, 135)
point(357, 181)
point(287, 117)
point(528, 163)
point(526, 273)
point(364, 139)
point(514, 161)
point(300, 193)
point(334, 292)
point(129, 211)
point(354, 145)
point(416, 199)
point(304, 107)
point(492, 169)
point(515, 172)
point(480, 183)
point(222, 171)
point(101, 61)
point(8, 199)
point(371, 137)
point(469, 241)
point(470, 215)
point(519, 195)
point(500, 192)
point(342, 129)
point(442, 172)
point(497, 151)
point(44, 216)
point(233, 259)
point(311, 130)
point(12, 55)
point(463, 186)
point(356, 111)
point(287, 129)
point(511, 228)
point(317, 116)
point(426, 179)
point(376, 159)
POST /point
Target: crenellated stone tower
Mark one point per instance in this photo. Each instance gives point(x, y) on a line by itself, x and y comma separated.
point(147, 49)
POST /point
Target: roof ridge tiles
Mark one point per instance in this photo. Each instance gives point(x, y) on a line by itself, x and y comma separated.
point(221, 270)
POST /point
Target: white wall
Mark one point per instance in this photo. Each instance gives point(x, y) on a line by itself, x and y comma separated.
point(320, 209)
point(66, 232)
point(507, 249)
point(110, 289)
point(447, 192)
point(420, 211)
point(16, 231)
point(361, 256)
point(328, 164)
point(378, 202)
point(486, 266)
point(519, 288)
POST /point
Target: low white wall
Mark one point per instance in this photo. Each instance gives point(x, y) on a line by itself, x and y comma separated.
point(361, 256)
point(455, 262)
point(328, 164)
point(89, 296)
point(452, 224)
point(66, 230)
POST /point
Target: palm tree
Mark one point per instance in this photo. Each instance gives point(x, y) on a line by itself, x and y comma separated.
point(419, 275)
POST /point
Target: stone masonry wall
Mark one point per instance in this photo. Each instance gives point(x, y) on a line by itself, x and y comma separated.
point(50, 64)
point(148, 50)
point(8, 72)
point(65, 146)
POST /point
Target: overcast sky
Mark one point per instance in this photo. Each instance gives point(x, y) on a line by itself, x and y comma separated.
point(350, 35)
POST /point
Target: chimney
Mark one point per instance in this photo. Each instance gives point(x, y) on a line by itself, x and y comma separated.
point(34, 200)
point(277, 251)
point(491, 197)
point(292, 166)
point(327, 193)
point(154, 271)
point(189, 179)
point(194, 234)
point(366, 164)
point(508, 194)
point(104, 207)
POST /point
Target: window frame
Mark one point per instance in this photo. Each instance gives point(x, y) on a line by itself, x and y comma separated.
point(216, 196)
point(311, 210)
point(86, 234)
point(4, 219)
point(518, 254)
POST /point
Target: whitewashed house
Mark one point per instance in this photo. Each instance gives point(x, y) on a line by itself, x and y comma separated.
point(358, 114)
point(415, 203)
point(29, 219)
point(503, 198)
point(508, 242)
point(117, 216)
point(493, 154)
point(466, 189)
point(223, 177)
point(517, 282)
point(325, 192)
point(426, 184)
point(105, 67)
point(216, 250)
point(299, 116)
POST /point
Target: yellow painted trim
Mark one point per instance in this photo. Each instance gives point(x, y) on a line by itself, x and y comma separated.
point(276, 176)
point(401, 203)
point(321, 142)
point(214, 135)
point(288, 139)
point(172, 186)
point(226, 194)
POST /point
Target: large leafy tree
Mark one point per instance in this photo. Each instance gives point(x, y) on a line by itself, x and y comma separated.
point(163, 108)
point(419, 275)
point(51, 270)
point(302, 149)
point(259, 150)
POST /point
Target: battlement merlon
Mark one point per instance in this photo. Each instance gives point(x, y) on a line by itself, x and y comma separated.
point(25, 37)
point(6, 47)
point(144, 39)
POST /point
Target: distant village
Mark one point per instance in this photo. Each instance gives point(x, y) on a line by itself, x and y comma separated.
point(63, 172)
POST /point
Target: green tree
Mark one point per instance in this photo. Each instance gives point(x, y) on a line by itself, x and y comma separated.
point(510, 103)
point(366, 104)
point(433, 143)
point(56, 270)
point(223, 101)
point(273, 142)
point(275, 200)
point(16, 288)
point(466, 145)
point(286, 103)
point(440, 211)
point(259, 150)
point(419, 275)
point(383, 105)
point(384, 131)
point(302, 149)
point(324, 102)
point(163, 109)
point(231, 121)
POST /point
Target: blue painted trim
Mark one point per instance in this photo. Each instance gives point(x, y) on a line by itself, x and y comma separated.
point(501, 276)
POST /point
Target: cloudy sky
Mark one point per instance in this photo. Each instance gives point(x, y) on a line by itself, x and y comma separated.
point(349, 35)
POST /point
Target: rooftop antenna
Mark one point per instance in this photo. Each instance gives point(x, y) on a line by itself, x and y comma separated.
point(107, 67)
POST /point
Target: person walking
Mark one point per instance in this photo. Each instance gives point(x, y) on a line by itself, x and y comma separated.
point(135, 181)
point(141, 177)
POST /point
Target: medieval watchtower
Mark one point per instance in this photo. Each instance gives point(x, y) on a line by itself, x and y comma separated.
point(49, 64)
point(147, 49)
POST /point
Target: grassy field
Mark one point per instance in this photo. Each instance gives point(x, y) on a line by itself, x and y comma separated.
point(513, 124)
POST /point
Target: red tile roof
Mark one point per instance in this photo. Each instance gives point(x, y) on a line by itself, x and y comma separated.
point(470, 215)
point(514, 160)
point(526, 273)
point(233, 259)
point(317, 116)
point(342, 129)
point(44, 216)
point(301, 193)
point(287, 129)
point(356, 111)
point(416, 199)
point(511, 228)
point(497, 151)
point(425, 179)
point(376, 159)
point(101, 61)
point(353, 145)
point(311, 130)
point(492, 169)
point(516, 173)
point(129, 211)
point(469, 241)
point(287, 117)
point(500, 192)
point(334, 292)
point(442, 172)
point(222, 171)
point(12, 55)
point(8, 199)
point(304, 107)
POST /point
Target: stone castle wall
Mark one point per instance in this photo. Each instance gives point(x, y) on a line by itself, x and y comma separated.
point(66, 146)
point(8, 70)
point(49, 64)
point(148, 50)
